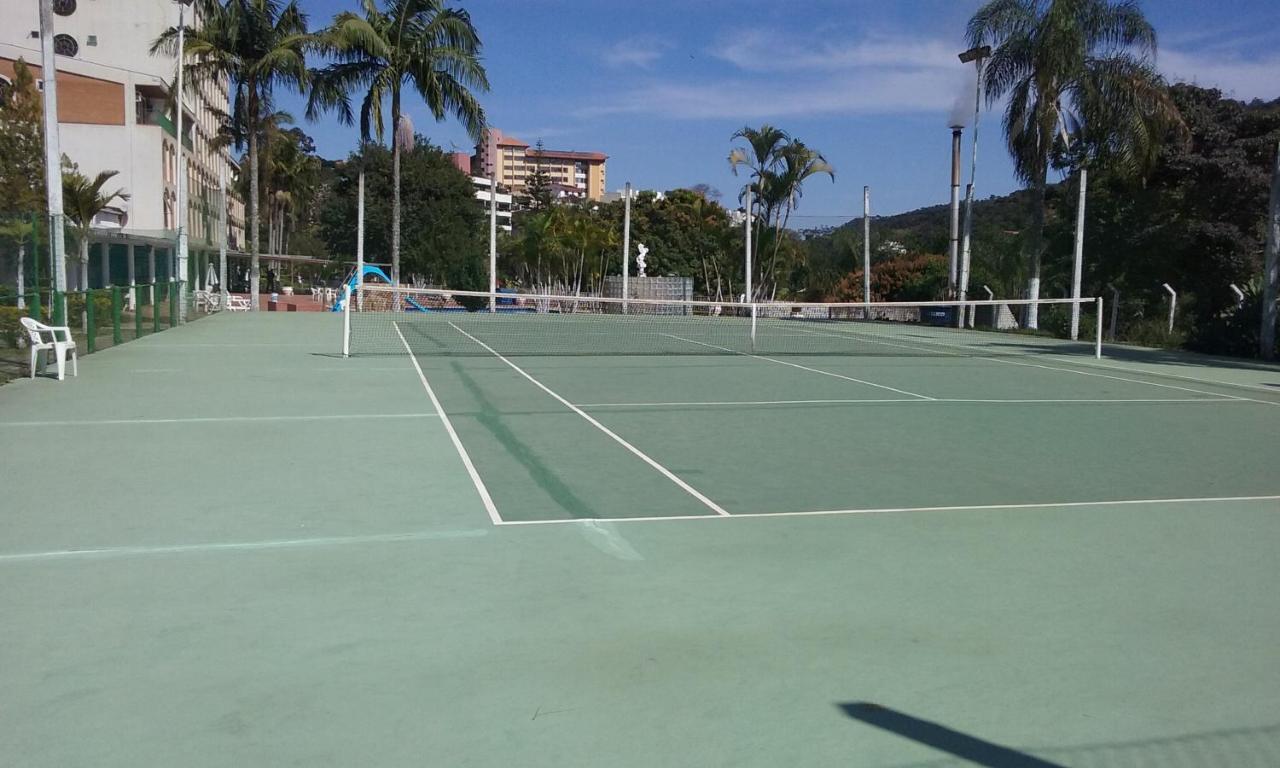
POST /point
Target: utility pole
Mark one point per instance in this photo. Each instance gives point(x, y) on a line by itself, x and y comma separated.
point(53, 162)
point(626, 245)
point(866, 245)
point(181, 266)
point(493, 242)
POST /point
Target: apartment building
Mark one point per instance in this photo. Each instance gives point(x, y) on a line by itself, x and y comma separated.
point(111, 117)
point(571, 174)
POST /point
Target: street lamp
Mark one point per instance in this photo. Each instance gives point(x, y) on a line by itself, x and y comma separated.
point(181, 265)
point(977, 56)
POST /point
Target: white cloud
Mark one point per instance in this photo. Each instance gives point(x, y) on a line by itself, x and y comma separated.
point(641, 52)
point(784, 76)
point(1234, 76)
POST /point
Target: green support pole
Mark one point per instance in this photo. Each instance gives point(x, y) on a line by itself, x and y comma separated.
point(91, 324)
point(155, 306)
point(137, 311)
point(175, 290)
point(59, 308)
point(117, 333)
point(35, 306)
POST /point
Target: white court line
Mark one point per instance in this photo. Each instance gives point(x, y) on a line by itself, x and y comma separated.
point(489, 506)
point(242, 546)
point(802, 367)
point(1221, 395)
point(689, 489)
point(938, 400)
point(216, 419)
point(880, 510)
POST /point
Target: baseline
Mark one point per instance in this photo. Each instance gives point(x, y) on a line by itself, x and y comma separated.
point(689, 489)
point(885, 510)
point(937, 400)
point(216, 419)
point(489, 506)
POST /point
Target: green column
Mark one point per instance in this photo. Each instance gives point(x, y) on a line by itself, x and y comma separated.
point(91, 324)
point(59, 309)
point(157, 300)
point(175, 291)
point(117, 333)
point(35, 306)
point(137, 311)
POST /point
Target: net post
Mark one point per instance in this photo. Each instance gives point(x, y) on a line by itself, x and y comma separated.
point(1097, 341)
point(753, 326)
point(346, 321)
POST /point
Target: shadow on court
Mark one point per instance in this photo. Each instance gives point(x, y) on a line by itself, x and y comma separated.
point(940, 737)
point(1257, 747)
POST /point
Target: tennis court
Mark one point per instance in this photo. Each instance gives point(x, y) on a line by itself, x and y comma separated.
point(490, 542)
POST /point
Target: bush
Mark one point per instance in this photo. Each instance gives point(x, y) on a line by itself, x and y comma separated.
point(1235, 332)
point(10, 328)
point(101, 307)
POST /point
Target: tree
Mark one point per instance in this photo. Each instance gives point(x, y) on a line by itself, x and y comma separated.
point(22, 194)
point(255, 45)
point(445, 231)
point(1271, 274)
point(1074, 67)
point(779, 166)
point(419, 43)
point(84, 199)
point(538, 189)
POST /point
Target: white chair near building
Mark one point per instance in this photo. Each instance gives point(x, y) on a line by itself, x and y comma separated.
point(237, 303)
point(44, 338)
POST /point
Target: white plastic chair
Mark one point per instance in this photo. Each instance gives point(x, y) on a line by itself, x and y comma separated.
point(36, 338)
point(237, 303)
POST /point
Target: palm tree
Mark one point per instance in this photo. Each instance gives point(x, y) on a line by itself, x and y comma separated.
point(1072, 67)
point(83, 199)
point(761, 156)
point(254, 45)
point(784, 187)
point(433, 49)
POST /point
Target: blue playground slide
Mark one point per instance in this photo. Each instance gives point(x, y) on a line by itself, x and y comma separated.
point(351, 286)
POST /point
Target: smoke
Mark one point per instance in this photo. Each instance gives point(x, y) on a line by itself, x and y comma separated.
point(962, 109)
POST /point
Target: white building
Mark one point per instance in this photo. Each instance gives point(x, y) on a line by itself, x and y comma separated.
point(111, 116)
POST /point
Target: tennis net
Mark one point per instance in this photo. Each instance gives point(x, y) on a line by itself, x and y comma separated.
point(384, 320)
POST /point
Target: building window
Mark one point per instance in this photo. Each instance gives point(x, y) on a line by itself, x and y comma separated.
point(64, 7)
point(65, 45)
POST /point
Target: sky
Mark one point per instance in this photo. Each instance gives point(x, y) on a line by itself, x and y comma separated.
point(661, 85)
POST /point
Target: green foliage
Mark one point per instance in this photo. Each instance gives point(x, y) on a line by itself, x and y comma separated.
point(445, 232)
point(10, 329)
point(21, 147)
point(915, 277)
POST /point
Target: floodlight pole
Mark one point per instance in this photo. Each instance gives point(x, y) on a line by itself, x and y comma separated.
point(748, 295)
point(53, 160)
point(953, 252)
point(493, 242)
point(181, 269)
point(866, 246)
point(222, 231)
point(360, 231)
point(978, 55)
point(626, 245)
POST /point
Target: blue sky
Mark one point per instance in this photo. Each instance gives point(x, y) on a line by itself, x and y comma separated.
point(660, 85)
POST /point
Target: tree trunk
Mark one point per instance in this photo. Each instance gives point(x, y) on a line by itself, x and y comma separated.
point(1035, 249)
point(395, 189)
point(22, 286)
point(1271, 275)
point(84, 264)
point(255, 215)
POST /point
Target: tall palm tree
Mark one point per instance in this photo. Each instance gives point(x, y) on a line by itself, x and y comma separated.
point(760, 157)
point(83, 199)
point(784, 187)
point(255, 45)
point(1082, 67)
point(433, 49)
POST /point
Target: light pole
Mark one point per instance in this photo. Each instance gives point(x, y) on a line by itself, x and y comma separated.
point(977, 55)
point(181, 265)
point(53, 163)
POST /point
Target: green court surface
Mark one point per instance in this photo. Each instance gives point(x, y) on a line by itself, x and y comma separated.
point(228, 545)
